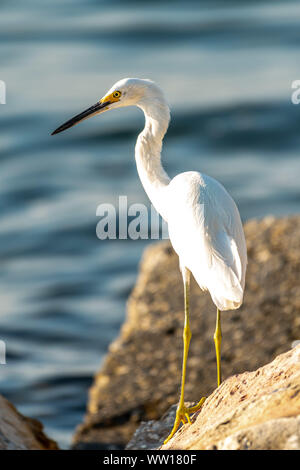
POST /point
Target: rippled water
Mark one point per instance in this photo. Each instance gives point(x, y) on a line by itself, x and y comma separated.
point(226, 68)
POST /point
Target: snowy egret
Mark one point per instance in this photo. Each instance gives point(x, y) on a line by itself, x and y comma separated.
point(204, 224)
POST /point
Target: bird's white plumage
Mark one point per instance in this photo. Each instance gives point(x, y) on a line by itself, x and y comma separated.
point(204, 223)
point(206, 232)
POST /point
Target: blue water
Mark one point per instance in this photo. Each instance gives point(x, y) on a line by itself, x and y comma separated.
point(226, 68)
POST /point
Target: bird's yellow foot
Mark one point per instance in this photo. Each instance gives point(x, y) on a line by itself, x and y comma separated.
point(183, 414)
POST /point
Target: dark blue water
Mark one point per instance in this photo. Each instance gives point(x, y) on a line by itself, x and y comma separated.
point(226, 68)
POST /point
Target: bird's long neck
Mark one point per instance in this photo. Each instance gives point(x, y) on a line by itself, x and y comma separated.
point(148, 153)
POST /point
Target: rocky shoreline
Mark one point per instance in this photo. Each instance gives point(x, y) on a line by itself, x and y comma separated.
point(17, 432)
point(140, 377)
point(257, 410)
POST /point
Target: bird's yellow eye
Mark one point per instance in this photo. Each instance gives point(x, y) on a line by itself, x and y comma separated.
point(117, 94)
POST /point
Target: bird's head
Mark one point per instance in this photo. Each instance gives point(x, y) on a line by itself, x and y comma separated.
point(126, 92)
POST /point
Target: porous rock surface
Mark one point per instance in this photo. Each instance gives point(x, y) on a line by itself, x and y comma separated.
point(257, 410)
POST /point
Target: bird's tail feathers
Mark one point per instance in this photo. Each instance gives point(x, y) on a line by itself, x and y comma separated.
point(223, 285)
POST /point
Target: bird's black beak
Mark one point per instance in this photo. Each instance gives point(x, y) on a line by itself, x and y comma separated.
point(92, 111)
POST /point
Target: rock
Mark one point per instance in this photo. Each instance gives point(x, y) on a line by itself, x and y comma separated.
point(150, 435)
point(140, 377)
point(17, 432)
point(257, 410)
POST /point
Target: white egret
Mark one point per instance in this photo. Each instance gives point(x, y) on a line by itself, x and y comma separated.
point(204, 223)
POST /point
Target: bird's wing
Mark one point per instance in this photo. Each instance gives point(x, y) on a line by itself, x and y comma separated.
point(206, 232)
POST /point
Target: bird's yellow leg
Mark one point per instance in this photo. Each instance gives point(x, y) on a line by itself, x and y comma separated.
point(218, 340)
point(183, 412)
